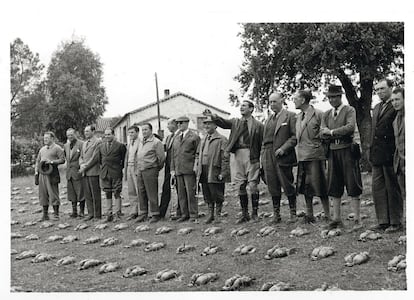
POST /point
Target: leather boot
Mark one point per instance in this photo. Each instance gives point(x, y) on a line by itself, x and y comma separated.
point(55, 212)
point(276, 210)
point(74, 213)
point(82, 209)
point(255, 207)
point(244, 201)
point(45, 216)
point(217, 219)
point(211, 216)
point(292, 209)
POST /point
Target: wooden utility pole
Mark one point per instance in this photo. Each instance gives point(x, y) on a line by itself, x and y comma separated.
point(158, 107)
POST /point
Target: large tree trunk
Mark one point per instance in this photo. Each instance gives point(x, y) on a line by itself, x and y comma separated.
point(362, 106)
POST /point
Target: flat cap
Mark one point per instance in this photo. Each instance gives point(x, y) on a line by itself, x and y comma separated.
point(182, 119)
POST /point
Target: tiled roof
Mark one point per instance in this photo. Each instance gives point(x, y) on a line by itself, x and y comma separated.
point(103, 123)
point(166, 99)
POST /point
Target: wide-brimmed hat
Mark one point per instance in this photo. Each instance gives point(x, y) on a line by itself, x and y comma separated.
point(182, 119)
point(45, 168)
point(208, 120)
point(334, 90)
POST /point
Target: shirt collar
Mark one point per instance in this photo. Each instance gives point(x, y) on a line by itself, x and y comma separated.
point(148, 139)
point(338, 109)
point(185, 131)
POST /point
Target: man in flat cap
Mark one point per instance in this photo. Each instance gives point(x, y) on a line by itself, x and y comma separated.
point(131, 169)
point(184, 149)
point(46, 167)
point(338, 127)
point(278, 155)
point(385, 190)
point(311, 179)
point(213, 169)
point(245, 141)
point(74, 179)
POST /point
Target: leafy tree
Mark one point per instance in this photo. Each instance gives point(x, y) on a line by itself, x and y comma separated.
point(25, 74)
point(287, 56)
point(74, 80)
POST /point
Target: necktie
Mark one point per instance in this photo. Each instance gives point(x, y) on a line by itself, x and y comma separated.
point(245, 134)
point(335, 112)
point(133, 142)
point(383, 108)
point(303, 116)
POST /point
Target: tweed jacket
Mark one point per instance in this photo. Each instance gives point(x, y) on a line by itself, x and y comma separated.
point(399, 133)
point(111, 159)
point(235, 124)
point(309, 145)
point(218, 159)
point(284, 137)
point(183, 153)
point(168, 149)
point(72, 160)
point(382, 146)
point(343, 127)
point(135, 168)
point(89, 157)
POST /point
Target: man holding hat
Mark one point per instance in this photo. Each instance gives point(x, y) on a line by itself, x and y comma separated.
point(278, 155)
point(46, 167)
point(311, 179)
point(245, 141)
point(184, 149)
point(338, 126)
point(213, 168)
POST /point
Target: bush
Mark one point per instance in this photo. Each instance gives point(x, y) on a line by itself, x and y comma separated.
point(23, 156)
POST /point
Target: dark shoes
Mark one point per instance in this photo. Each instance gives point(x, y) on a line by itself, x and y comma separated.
point(379, 227)
point(88, 218)
point(109, 218)
point(309, 220)
point(174, 217)
point(132, 217)
point(394, 228)
point(183, 219)
point(333, 225)
point(154, 219)
point(141, 218)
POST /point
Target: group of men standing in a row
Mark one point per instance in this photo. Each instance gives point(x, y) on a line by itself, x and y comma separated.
point(275, 147)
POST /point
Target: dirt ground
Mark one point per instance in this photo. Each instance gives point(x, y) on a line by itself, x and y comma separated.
point(297, 269)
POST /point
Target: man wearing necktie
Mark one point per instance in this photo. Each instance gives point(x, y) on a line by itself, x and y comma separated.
point(74, 179)
point(89, 169)
point(184, 149)
point(311, 179)
point(338, 126)
point(111, 158)
point(212, 167)
point(278, 155)
point(245, 141)
point(166, 187)
point(385, 190)
point(131, 170)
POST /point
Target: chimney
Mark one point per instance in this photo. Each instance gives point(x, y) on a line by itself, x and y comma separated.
point(166, 93)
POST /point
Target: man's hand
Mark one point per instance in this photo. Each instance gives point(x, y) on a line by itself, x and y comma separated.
point(172, 173)
point(220, 177)
point(325, 131)
point(279, 152)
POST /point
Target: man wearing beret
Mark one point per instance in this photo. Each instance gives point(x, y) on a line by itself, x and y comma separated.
point(184, 149)
point(338, 127)
point(213, 169)
point(46, 167)
point(385, 190)
point(74, 179)
point(245, 141)
point(278, 155)
point(311, 180)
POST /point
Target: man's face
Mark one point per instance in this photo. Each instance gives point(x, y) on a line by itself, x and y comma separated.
point(210, 127)
point(108, 135)
point(397, 101)
point(70, 135)
point(276, 103)
point(88, 132)
point(182, 126)
point(245, 109)
point(335, 101)
point(298, 100)
point(146, 131)
point(47, 139)
point(172, 126)
point(132, 134)
point(383, 90)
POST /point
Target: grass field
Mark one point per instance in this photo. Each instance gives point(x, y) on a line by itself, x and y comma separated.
point(297, 269)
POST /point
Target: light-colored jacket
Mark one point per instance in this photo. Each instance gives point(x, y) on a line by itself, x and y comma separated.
point(151, 154)
point(135, 167)
point(309, 145)
point(72, 160)
point(89, 157)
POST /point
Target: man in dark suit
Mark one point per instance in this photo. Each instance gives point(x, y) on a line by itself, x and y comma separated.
point(311, 179)
point(166, 187)
point(338, 126)
point(278, 155)
point(111, 158)
point(73, 150)
point(385, 189)
point(245, 141)
point(89, 168)
point(182, 167)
